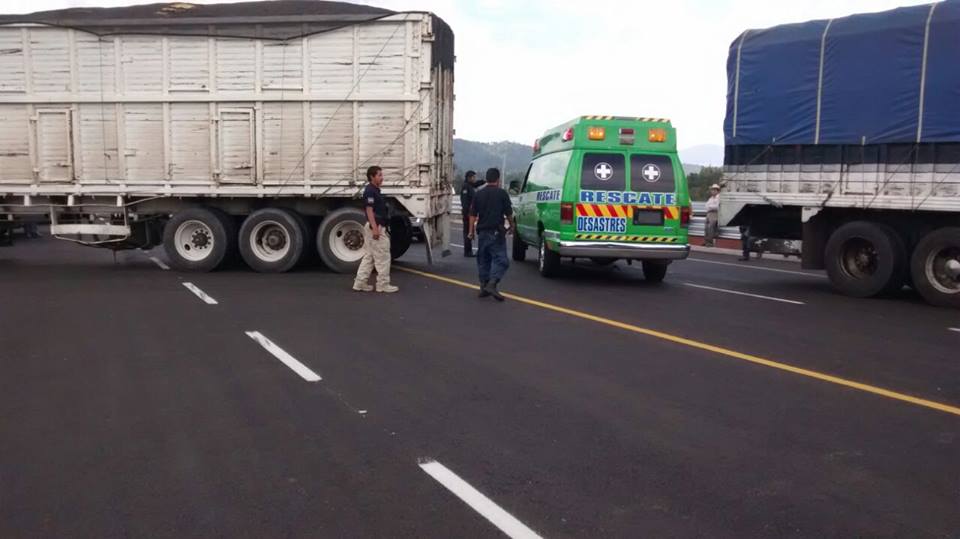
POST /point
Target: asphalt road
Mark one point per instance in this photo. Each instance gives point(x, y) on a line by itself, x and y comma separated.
point(592, 405)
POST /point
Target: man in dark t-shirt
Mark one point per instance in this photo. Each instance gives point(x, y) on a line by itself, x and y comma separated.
point(491, 207)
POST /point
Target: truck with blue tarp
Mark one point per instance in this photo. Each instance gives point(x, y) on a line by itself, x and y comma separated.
point(842, 145)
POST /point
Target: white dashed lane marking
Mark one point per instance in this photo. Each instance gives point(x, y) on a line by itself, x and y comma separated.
point(160, 263)
point(284, 357)
point(200, 293)
point(738, 293)
point(503, 520)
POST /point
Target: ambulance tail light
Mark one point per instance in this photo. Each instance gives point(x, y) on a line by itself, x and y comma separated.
point(597, 133)
point(536, 146)
point(685, 213)
point(566, 213)
point(657, 134)
point(567, 135)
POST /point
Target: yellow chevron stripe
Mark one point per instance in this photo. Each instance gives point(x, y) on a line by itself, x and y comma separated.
point(639, 239)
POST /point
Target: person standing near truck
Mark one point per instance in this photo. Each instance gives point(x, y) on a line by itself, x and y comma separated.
point(491, 207)
point(467, 192)
point(376, 240)
point(745, 243)
point(712, 230)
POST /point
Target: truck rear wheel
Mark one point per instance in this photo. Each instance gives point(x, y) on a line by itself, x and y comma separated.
point(866, 259)
point(548, 261)
point(273, 240)
point(654, 272)
point(340, 239)
point(935, 267)
point(519, 248)
point(199, 239)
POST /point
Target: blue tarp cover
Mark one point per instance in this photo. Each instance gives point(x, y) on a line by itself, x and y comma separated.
point(861, 76)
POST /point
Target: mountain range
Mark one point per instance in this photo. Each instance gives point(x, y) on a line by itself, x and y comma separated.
point(514, 157)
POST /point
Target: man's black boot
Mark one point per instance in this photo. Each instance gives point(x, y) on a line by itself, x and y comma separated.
point(483, 290)
point(492, 290)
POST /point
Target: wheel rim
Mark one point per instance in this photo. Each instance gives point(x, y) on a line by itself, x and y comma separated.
point(859, 258)
point(346, 241)
point(942, 268)
point(270, 241)
point(194, 240)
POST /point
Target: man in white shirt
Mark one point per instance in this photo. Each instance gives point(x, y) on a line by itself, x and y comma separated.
point(713, 217)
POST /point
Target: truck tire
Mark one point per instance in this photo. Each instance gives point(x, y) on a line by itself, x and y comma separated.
point(340, 239)
point(199, 239)
point(866, 259)
point(273, 240)
point(548, 261)
point(519, 248)
point(654, 272)
point(401, 236)
point(935, 267)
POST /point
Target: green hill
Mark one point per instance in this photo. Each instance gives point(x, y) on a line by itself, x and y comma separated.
point(479, 156)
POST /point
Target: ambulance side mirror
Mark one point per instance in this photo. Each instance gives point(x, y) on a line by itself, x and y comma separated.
point(514, 188)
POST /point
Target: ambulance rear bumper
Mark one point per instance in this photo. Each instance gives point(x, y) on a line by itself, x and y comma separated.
point(632, 251)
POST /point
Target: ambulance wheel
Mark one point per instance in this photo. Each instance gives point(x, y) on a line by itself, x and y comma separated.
point(654, 272)
point(340, 239)
point(401, 236)
point(273, 240)
point(199, 239)
point(936, 267)
point(548, 261)
point(519, 248)
point(866, 259)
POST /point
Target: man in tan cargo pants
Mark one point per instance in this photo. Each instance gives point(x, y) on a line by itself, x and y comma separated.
point(376, 240)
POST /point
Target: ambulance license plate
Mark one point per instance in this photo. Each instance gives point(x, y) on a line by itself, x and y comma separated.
point(648, 217)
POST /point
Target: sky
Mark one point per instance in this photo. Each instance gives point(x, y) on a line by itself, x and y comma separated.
point(525, 66)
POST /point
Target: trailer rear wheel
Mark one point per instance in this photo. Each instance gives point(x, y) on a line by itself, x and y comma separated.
point(273, 240)
point(199, 239)
point(936, 267)
point(340, 239)
point(401, 236)
point(866, 259)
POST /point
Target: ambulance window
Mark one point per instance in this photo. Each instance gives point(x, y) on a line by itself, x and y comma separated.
point(652, 174)
point(603, 172)
point(547, 172)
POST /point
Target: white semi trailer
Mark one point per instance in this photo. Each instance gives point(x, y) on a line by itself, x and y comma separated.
point(216, 130)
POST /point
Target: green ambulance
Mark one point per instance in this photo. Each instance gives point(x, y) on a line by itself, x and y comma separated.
point(605, 188)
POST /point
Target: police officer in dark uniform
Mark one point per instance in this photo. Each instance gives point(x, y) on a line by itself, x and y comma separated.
point(467, 193)
point(491, 207)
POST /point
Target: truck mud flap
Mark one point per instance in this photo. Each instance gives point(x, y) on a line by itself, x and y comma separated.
point(437, 232)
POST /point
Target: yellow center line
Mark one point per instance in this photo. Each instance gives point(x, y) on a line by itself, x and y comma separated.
point(708, 347)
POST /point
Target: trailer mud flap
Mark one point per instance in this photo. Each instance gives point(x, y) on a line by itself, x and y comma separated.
point(437, 232)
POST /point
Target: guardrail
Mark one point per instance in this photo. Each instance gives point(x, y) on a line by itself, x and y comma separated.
point(698, 223)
